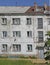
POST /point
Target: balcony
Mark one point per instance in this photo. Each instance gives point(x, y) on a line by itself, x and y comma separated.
point(39, 43)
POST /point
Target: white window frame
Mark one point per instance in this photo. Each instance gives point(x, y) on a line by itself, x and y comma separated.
point(16, 33)
point(29, 47)
point(29, 33)
point(4, 21)
point(29, 22)
point(48, 21)
point(4, 47)
point(40, 36)
point(40, 23)
point(16, 21)
point(16, 47)
point(4, 33)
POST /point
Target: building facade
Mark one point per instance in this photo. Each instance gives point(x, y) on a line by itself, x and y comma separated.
point(23, 29)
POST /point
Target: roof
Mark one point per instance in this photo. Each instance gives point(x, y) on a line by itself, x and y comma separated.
point(13, 9)
point(39, 10)
point(24, 10)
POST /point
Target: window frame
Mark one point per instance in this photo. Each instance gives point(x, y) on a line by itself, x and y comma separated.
point(4, 34)
point(29, 21)
point(40, 23)
point(48, 21)
point(16, 21)
point(29, 48)
point(4, 47)
point(16, 33)
point(29, 33)
point(16, 47)
point(40, 37)
point(4, 21)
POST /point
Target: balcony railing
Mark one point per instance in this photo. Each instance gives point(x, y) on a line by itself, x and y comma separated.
point(39, 43)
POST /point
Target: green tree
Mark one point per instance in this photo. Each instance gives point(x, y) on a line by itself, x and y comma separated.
point(47, 46)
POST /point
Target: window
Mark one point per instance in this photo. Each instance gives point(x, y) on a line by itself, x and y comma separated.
point(29, 21)
point(16, 34)
point(16, 47)
point(40, 36)
point(4, 47)
point(4, 21)
point(49, 21)
point(29, 33)
point(29, 47)
point(16, 21)
point(4, 33)
point(40, 23)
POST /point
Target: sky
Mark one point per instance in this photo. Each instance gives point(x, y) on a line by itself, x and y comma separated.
point(23, 2)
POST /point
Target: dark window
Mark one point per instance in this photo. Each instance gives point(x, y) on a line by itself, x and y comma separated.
point(40, 23)
point(4, 47)
point(48, 21)
point(16, 21)
point(29, 47)
point(40, 36)
point(29, 22)
point(16, 47)
point(29, 33)
point(4, 33)
point(16, 33)
point(4, 21)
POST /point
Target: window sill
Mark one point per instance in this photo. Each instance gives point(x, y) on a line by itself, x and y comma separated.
point(28, 24)
point(4, 24)
point(15, 24)
point(4, 51)
point(39, 28)
point(40, 41)
point(16, 51)
point(29, 51)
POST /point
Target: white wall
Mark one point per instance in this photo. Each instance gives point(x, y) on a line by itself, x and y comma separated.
point(23, 40)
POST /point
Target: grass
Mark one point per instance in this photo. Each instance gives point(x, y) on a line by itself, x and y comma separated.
point(18, 62)
point(15, 62)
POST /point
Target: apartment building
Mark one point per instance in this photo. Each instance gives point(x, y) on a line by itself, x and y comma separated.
point(23, 29)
